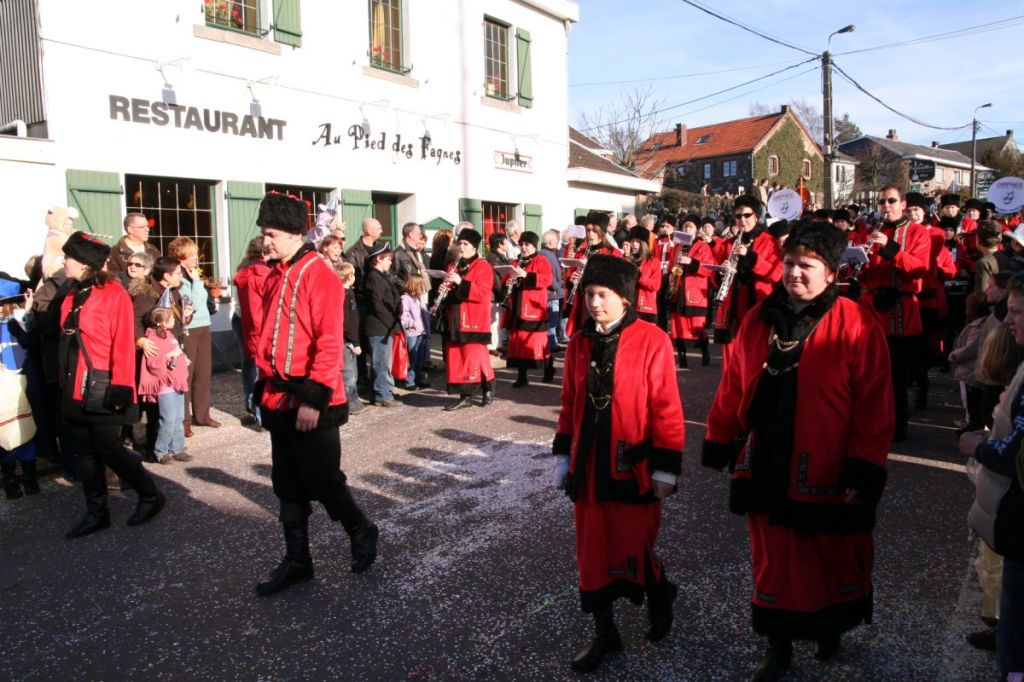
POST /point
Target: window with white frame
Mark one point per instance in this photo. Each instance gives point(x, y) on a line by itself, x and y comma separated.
point(496, 59)
point(958, 177)
point(707, 171)
point(806, 169)
point(773, 165)
point(236, 15)
point(386, 48)
point(728, 169)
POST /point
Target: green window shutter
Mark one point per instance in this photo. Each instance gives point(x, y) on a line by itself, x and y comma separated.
point(356, 206)
point(473, 211)
point(533, 214)
point(287, 22)
point(525, 75)
point(243, 207)
point(582, 211)
point(97, 196)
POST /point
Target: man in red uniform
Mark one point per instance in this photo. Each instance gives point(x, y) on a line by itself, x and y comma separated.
point(892, 279)
point(754, 255)
point(470, 290)
point(302, 395)
point(526, 316)
point(619, 446)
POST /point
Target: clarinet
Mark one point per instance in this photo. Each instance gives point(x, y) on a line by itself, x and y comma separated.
point(570, 302)
point(730, 271)
point(443, 290)
point(510, 286)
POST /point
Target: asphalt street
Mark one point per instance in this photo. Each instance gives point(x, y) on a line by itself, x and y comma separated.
point(476, 574)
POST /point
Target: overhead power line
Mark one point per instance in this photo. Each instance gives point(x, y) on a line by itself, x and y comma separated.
point(999, 25)
point(899, 113)
point(678, 76)
point(749, 29)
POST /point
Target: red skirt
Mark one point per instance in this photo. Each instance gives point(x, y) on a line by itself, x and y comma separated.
point(807, 585)
point(467, 363)
point(614, 548)
point(687, 327)
point(528, 349)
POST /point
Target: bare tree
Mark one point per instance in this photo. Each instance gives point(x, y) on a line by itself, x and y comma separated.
point(623, 126)
point(808, 113)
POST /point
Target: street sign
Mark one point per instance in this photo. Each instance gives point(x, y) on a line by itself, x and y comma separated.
point(985, 180)
point(922, 170)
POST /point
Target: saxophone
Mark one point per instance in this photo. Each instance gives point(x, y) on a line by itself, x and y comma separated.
point(676, 275)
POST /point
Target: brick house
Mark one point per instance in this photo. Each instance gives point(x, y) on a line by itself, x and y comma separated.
point(731, 155)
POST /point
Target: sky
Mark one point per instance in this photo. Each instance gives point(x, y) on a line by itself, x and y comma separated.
point(938, 82)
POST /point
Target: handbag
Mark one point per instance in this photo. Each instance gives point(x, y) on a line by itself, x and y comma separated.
point(17, 426)
point(400, 358)
point(96, 382)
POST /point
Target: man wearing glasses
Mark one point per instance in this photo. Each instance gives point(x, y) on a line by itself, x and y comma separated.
point(755, 256)
point(898, 256)
point(134, 241)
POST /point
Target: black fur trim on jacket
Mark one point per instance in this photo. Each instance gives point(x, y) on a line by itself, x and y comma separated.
point(562, 444)
point(867, 478)
point(530, 281)
point(283, 420)
point(314, 394)
point(889, 251)
point(717, 456)
point(833, 619)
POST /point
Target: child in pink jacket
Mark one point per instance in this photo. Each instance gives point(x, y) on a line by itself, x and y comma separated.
point(163, 379)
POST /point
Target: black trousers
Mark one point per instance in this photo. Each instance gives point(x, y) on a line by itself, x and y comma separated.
point(98, 446)
point(306, 465)
point(902, 352)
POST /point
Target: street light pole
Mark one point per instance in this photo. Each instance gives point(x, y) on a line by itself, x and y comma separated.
point(829, 121)
point(974, 148)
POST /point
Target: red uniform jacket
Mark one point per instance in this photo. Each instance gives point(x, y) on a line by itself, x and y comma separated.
point(107, 329)
point(647, 287)
point(692, 293)
point(757, 273)
point(528, 308)
point(894, 276)
point(249, 281)
point(647, 413)
point(843, 414)
point(940, 269)
point(301, 348)
point(469, 313)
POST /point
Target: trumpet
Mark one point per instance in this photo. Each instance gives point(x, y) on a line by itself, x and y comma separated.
point(676, 274)
point(443, 290)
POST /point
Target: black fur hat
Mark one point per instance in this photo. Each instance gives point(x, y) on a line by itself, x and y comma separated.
point(916, 199)
point(471, 236)
point(580, 220)
point(87, 250)
point(976, 204)
point(949, 200)
point(841, 214)
point(750, 201)
point(530, 238)
point(640, 233)
point(598, 218)
point(824, 239)
point(618, 274)
point(283, 212)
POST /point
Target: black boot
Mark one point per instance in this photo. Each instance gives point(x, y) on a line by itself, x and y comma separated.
point(828, 646)
point(28, 478)
point(549, 371)
point(11, 487)
point(462, 402)
point(705, 351)
point(522, 379)
point(606, 641)
point(660, 598)
point(297, 565)
point(97, 516)
point(488, 393)
point(361, 530)
point(921, 396)
point(683, 363)
point(776, 660)
point(151, 500)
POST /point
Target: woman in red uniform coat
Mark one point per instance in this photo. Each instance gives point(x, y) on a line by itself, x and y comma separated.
point(649, 280)
point(790, 420)
point(619, 447)
point(99, 336)
point(470, 292)
point(688, 294)
point(526, 317)
point(597, 231)
point(758, 268)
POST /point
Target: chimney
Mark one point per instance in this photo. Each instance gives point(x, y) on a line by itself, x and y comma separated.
point(935, 145)
point(785, 108)
point(680, 135)
point(1009, 134)
point(892, 135)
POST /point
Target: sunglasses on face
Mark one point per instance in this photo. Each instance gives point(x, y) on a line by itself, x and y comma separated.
point(136, 265)
point(737, 216)
point(888, 200)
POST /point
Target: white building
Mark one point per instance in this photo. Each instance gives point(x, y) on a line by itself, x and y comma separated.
point(401, 109)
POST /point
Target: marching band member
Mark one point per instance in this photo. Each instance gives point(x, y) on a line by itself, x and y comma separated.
point(649, 284)
point(754, 253)
point(470, 290)
point(688, 293)
point(662, 250)
point(807, 366)
point(619, 387)
point(596, 243)
point(526, 314)
point(897, 263)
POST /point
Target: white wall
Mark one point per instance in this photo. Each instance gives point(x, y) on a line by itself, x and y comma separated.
point(30, 183)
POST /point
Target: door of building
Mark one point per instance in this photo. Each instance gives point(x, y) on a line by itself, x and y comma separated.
point(385, 210)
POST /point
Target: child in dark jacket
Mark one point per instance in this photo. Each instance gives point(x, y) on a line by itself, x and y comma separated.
point(347, 273)
point(163, 379)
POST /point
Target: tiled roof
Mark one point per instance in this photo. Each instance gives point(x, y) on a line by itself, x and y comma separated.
point(731, 137)
point(984, 144)
point(907, 150)
point(582, 156)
